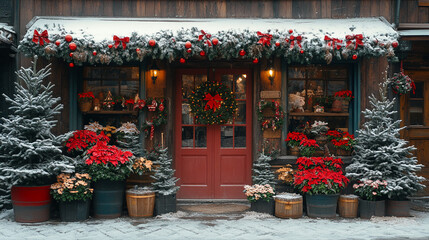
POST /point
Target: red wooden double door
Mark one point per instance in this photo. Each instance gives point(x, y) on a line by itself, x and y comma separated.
point(213, 161)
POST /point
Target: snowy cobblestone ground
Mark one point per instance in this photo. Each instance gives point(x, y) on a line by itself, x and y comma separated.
point(247, 225)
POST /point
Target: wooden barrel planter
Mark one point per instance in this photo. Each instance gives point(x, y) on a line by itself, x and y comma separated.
point(85, 106)
point(288, 205)
point(263, 206)
point(348, 206)
point(108, 198)
point(321, 205)
point(74, 211)
point(367, 209)
point(398, 208)
point(140, 202)
point(31, 203)
point(294, 151)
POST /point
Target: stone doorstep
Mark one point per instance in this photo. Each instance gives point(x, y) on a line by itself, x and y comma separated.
point(213, 206)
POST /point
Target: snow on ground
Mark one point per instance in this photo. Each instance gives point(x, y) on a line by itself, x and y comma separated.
point(247, 225)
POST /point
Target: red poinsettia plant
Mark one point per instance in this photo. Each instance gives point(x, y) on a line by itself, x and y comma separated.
point(334, 134)
point(129, 102)
point(320, 175)
point(293, 139)
point(85, 96)
point(307, 147)
point(345, 142)
point(82, 140)
point(346, 95)
point(108, 162)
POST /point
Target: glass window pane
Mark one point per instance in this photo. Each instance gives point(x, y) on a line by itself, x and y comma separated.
point(240, 117)
point(129, 89)
point(419, 90)
point(240, 86)
point(200, 79)
point(315, 72)
point(200, 137)
point(295, 98)
point(338, 73)
point(335, 86)
point(112, 86)
point(187, 136)
point(240, 137)
point(226, 136)
point(296, 72)
point(416, 112)
point(186, 114)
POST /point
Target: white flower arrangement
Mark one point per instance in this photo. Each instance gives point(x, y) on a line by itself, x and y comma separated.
point(128, 128)
point(256, 192)
point(94, 126)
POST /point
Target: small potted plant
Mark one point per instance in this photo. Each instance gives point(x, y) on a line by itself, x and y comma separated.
point(344, 96)
point(85, 101)
point(293, 140)
point(321, 179)
point(285, 175)
point(371, 198)
point(344, 145)
point(307, 147)
point(109, 167)
point(73, 193)
point(129, 104)
point(259, 197)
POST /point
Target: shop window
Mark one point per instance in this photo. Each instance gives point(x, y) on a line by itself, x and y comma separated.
point(117, 83)
point(311, 92)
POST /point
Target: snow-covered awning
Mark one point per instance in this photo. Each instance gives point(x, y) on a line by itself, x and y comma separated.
point(101, 40)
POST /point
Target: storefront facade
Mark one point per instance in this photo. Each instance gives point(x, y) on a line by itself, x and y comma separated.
point(311, 58)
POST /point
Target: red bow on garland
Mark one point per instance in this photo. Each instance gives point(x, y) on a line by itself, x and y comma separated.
point(213, 102)
point(292, 40)
point(334, 42)
point(40, 38)
point(264, 38)
point(358, 40)
point(208, 36)
point(118, 40)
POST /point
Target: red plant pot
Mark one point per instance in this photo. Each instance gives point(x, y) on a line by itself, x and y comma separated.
point(31, 204)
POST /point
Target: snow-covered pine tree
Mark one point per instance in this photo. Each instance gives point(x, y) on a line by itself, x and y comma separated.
point(165, 181)
point(262, 173)
point(29, 152)
point(380, 153)
point(131, 142)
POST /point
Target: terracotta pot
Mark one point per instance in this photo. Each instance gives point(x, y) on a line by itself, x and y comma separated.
point(337, 106)
point(85, 106)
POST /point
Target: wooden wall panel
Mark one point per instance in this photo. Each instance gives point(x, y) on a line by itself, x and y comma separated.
point(411, 12)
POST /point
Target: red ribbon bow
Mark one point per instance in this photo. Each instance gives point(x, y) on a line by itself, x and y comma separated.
point(40, 38)
point(264, 38)
point(334, 42)
point(213, 102)
point(358, 40)
point(118, 40)
point(208, 36)
point(292, 40)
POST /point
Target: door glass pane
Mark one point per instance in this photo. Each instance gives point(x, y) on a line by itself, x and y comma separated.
point(186, 114)
point(240, 86)
point(240, 137)
point(129, 89)
point(227, 80)
point(187, 136)
point(240, 117)
point(416, 112)
point(187, 85)
point(226, 136)
point(200, 137)
point(296, 72)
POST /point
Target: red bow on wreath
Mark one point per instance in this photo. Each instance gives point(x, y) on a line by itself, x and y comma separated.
point(292, 40)
point(40, 38)
point(213, 102)
point(264, 38)
point(358, 40)
point(208, 36)
point(334, 42)
point(118, 40)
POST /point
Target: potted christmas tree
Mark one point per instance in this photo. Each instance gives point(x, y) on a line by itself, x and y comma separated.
point(260, 194)
point(30, 157)
point(380, 153)
point(164, 184)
